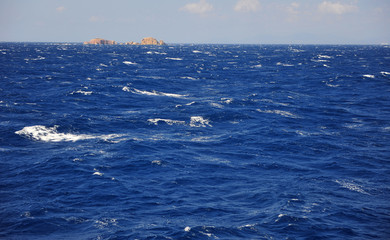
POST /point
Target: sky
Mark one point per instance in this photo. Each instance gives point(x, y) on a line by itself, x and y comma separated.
point(198, 21)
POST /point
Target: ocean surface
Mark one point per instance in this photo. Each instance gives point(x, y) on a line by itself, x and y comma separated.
point(194, 141)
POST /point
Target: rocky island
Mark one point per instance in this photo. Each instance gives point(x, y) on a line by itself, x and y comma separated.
point(144, 41)
point(97, 41)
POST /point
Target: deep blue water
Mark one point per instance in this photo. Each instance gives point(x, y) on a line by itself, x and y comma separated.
point(194, 142)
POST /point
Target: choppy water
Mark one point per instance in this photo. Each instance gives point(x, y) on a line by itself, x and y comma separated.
point(194, 142)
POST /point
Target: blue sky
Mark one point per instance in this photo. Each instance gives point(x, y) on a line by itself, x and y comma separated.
point(198, 21)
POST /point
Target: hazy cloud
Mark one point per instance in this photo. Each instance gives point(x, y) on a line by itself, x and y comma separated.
point(60, 9)
point(247, 6)
point(95, 19)
point(336, 7)
point(293, 8)
point(200, 7)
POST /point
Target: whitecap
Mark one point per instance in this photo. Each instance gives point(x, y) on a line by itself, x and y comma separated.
point(351, 186)
point(196, 51)
point(324, 56)
point(175, 59)
point(98, 173)
point(369, 76)
point(227, 100)
point(82, 92)
point(129, 63)
point(273, 102)
point(284, 64)
point(385, 73)
point(50, 134)
point(190, 78)
point(198, 121)
point(187, 229)
point(258, 66)
point(167, 121)
point(217, 105)
point(153, 93)
point(126, 89)
point(279, 112)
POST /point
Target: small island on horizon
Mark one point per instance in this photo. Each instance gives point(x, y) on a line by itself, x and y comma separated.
point(144, 41)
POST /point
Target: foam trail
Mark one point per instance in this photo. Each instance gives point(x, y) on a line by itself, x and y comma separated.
point(284, 64)
point(385, 73)
point(167, 121)
point(369, 76)
point(279, 112)
point(50, 134)
point(198, 121)
point(175, 59)
point(351, 186)
point(129, 63)
point(153, 93)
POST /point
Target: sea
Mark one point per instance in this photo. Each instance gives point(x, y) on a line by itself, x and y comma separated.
point(194, 141)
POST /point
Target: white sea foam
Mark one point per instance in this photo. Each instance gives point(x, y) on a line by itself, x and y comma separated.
point(273, 102)
point(82, 92)
point(190, 78)
point(216, 105)
point(369, 76)
point(324, 56)
point(129, 63)
point(385, 73)
point(279, 112)
point(126, 89)
point(227, 100)
point(258, 66)
point(351, 186)
point(98, 173)
point(167, 121)
point(284, 64)
point(153, 93)
point(175, 59)
point(50, 134)
point(196, 51)
point(198, 121)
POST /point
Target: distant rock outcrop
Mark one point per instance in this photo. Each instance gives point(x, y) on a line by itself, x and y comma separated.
point(97, 41)
point(145, 41)
point(131, 43)
point(149, 41)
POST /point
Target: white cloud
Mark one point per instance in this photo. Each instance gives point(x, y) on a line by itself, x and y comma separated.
point(293, 8)
point(200, 7)
point(247, 6)
point(60, 9)
point(95, 19)
point(336, 7)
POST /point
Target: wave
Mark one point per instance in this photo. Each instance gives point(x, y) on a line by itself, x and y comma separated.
point(175, 59)
point(385, 73)
point(351, 186)
point(284, 64)
point(198, 121)
point(195, 121)
point(82, 92)
point(324, 56)
point(190, 78)
point(129, 63)
point(279, 112)
point(369, 76)
point(167, 121)
point(50, 134)
point(153, 93)
point(257, 66)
